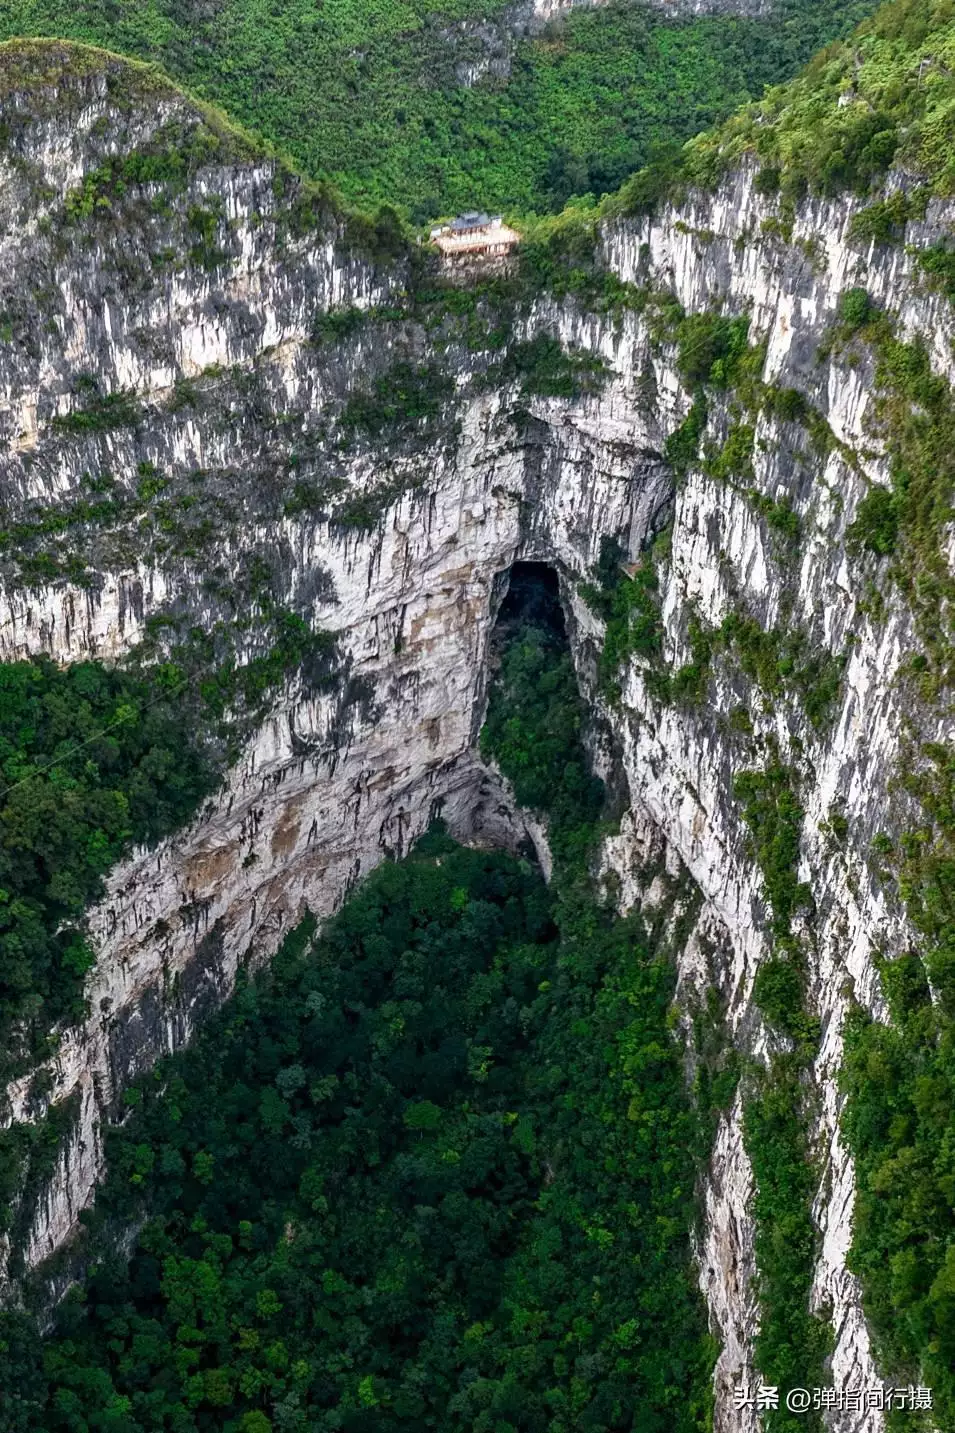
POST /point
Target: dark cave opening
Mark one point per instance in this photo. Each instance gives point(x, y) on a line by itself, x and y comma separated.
point(532, 599)
point(532, 609)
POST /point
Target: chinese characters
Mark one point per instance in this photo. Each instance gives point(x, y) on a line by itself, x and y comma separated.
point(800, 1400)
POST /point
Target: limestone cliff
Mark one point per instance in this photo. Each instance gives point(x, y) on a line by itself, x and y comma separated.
point(204, 303)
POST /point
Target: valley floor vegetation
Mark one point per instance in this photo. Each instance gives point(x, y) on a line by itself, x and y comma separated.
point(433, 1169)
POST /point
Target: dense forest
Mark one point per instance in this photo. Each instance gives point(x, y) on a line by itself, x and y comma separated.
point(94, 759)
point(434, 1169)
point(370, 95)
point(91, 760)
point(882, 98)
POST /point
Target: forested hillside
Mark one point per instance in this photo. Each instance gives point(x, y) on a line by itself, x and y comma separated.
point(370, 95)
point(884, 98)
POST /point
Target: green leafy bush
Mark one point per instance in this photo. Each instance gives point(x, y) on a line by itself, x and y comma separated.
point(876, 525)
point(533, 729)
point(786, 403)
point(689, 683)
point(682, 446)
point(885, 220)
point(898, 1123)
point(100, 412)
point(767, 180)
point(334, 325)
point(710, 349)
point(778, 991)
point(405, 395)
point(782, 661)
point(544, 367)
point(630, 606)
point(734, 460)
point(855, 308)
point(204, 222)
point(792, 1343)
point(774, 817)
point(174, 154)
point(938, 265)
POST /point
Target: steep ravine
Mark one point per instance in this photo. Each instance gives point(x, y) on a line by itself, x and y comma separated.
point(490, 473)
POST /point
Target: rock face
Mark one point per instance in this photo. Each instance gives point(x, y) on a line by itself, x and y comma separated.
point(398, 538)
point(543, 11)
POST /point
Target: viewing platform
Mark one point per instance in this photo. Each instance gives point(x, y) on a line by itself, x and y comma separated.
point(475, 236)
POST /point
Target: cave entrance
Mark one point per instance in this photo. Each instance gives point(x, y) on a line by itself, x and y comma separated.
point(532, 615)
point(537, 726)
point(532, 599)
